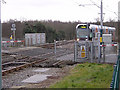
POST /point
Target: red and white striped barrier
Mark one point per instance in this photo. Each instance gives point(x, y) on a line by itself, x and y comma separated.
point(108, 45)
point(12, 41)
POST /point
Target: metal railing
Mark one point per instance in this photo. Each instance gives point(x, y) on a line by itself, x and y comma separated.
point(115, 79)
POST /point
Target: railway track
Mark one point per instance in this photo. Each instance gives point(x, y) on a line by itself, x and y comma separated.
point(41, 62)
point(58, 43)
point(20, 62)
point(19, 67)
point(10, 57)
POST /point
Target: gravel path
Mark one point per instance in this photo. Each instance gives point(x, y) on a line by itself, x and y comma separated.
point(14, 80)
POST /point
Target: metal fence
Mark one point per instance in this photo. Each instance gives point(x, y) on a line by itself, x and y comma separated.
point(86, 51)
point(115, 79)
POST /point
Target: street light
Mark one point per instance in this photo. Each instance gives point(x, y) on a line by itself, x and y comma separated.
point(101, 22)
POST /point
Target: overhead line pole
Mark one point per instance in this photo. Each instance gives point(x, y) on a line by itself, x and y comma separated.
point(100, 34)
point(101, 9)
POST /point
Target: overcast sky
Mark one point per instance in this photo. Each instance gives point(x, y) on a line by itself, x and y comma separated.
point(62, 10)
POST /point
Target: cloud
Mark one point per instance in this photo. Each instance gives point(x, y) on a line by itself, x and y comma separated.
point(64, 10)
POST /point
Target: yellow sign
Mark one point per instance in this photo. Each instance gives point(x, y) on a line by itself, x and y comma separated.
point(11, 37)
point(83, 52)
point(83, 49)
point(100, 39)
point(83, 27)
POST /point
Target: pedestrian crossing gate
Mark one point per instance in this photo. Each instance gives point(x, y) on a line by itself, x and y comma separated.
point(81, 51)
point(84, 51)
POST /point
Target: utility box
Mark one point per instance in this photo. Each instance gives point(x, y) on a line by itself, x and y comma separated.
point(35, 39)
point(107, 38)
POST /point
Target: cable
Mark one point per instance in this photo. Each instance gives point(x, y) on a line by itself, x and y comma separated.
point(95, 3)
point(105, 8)
point(112, 12)
point(98, 7)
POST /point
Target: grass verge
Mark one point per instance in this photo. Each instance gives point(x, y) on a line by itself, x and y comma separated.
point(87, 75)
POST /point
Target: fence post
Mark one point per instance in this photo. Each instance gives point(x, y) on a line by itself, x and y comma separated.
point(55, 48)
point(91, 52)
point(103, 52)
point(87, 49)
point(75, 51)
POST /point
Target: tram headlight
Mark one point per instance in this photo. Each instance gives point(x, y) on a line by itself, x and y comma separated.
point(77, 39)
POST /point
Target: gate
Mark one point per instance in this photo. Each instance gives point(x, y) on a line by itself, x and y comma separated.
point(84, 51)
point(109, 52)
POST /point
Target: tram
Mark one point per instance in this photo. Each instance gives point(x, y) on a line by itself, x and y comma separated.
point(90, 31)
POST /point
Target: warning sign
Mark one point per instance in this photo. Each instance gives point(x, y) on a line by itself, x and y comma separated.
point(100, 39)
point(83, 52)
point(83, 49)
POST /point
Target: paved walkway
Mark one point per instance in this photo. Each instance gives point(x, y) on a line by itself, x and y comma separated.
point(109, 58)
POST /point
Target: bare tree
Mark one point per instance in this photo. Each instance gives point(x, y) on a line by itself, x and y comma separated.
point(4, 2)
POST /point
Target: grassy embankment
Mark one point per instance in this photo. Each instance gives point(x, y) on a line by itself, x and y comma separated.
point(87, 75)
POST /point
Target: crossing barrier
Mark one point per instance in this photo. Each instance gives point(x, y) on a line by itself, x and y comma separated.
point(108, 45)
point(12, 41)
point(16, 43)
